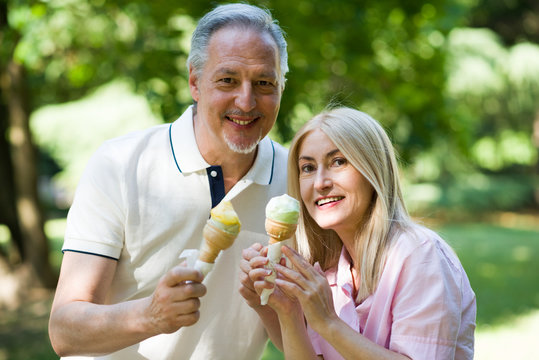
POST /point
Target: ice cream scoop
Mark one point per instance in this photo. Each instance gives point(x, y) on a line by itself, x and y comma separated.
point(282, 213)
point(219, 234)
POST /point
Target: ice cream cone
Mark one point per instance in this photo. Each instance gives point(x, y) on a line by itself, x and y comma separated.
point(279, 231)
point(215, 240)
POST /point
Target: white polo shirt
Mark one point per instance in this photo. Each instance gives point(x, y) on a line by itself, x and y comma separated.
point(142, 200)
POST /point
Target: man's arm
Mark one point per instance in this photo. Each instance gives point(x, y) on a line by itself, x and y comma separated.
point(80, 323)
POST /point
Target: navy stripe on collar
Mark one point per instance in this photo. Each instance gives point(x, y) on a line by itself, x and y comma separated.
point(172, 147)
point(272, 161)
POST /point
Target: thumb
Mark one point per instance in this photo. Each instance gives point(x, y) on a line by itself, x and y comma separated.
point(318, 268)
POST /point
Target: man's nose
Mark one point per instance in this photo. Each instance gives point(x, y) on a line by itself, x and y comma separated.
point(245, 99)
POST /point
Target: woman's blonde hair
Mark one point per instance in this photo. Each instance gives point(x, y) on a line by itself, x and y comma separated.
point(367, 147)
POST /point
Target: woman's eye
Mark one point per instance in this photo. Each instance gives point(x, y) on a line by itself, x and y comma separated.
point(306, 168)
point(339, 161)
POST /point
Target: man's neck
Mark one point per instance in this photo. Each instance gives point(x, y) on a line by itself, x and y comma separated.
point(234, 165)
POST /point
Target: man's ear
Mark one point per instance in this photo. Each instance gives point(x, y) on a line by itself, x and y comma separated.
point(193, 84)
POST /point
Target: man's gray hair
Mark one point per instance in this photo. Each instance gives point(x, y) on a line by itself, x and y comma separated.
point(235, 14)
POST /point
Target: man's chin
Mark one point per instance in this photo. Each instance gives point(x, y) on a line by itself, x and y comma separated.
point(242, 148)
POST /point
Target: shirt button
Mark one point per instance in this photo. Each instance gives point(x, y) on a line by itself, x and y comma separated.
point(213, 173)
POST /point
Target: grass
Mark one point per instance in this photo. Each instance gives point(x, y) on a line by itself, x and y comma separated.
point(502, 264)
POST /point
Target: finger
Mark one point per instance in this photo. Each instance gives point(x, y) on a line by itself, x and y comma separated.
point(257, 246)
point(259, 274)
point(180, 274)
point(291, 275)
point(245, 267)
point(188, 319)
point(191, 290)
point(251, 252)
point(261, 285)
point(318, 268)
point(257, 262)
point(288, 288)
point(298, 262)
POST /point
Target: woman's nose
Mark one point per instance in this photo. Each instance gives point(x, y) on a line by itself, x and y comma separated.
point(323, 180)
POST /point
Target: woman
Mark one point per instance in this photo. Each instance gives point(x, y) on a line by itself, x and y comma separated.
point(368, 281)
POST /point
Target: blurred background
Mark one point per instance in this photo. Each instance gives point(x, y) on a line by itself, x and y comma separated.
point(455, 83)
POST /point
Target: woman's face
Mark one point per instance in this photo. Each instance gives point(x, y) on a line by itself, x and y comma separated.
point(335, 193)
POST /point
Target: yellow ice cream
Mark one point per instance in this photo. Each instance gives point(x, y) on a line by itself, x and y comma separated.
point(225, 218)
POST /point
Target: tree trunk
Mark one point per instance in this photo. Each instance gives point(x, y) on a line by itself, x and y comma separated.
point(23, 155)
point(8, 210)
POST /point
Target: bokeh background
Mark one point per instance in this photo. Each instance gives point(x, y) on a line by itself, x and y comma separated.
point(455, 83)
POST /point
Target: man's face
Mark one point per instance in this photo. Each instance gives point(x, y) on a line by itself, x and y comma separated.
point(238, 92)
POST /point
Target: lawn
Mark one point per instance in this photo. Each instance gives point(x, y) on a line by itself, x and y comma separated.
point(502, 264)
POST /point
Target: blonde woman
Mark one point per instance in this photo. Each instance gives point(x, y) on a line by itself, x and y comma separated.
point(366, 282)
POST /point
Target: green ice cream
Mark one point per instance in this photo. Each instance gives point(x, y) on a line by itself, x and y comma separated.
point(283, 208)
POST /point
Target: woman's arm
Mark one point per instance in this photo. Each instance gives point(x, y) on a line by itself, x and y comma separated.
point(252, 261)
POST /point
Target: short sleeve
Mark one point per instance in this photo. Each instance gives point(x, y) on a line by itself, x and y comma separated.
point(427, 305)
point(96, 217)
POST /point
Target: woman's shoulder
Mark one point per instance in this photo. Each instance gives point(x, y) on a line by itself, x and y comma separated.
point(417, 242)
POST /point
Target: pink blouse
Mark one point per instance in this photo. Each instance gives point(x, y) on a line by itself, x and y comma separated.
point(423, 307)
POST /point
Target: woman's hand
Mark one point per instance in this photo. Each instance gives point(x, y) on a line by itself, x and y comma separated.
point(247, 288)
point(278, 301)
point(309, 286)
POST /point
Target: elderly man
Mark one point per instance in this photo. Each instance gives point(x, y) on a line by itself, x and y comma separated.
point(145, 197)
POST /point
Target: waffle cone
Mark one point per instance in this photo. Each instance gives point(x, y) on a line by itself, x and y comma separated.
point(279, 231)
point(215, 240)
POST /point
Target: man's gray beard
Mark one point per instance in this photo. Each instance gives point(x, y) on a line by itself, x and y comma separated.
point(242, 149)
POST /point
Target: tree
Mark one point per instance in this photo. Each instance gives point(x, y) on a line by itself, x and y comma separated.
point(22, 213)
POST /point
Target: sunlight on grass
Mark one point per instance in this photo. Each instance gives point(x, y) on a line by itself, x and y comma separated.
point(515, 340)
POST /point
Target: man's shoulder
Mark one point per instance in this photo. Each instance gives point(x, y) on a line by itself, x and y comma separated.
point(281, 153)
point(137, 139)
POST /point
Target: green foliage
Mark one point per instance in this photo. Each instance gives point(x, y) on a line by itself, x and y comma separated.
point(454, 100)
point(494, 91)
point(72, 132)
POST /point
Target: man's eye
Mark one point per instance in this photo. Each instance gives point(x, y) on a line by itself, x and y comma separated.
point(226, 80)
point(265, 83)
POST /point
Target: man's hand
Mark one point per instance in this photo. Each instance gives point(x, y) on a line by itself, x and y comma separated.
point(175, 301)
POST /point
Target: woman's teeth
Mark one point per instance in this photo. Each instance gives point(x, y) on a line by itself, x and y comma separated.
point(328, 200)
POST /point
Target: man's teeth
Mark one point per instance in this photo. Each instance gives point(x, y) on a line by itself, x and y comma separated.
point(241, 122)
point(328, 200)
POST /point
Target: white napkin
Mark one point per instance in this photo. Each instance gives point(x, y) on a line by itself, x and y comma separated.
point(274, 256)
point(191, 256)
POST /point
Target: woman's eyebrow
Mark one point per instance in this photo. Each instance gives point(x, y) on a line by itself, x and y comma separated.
point(310, 158)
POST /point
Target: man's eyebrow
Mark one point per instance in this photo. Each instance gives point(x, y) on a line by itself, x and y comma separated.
point(226, 71)
point(264, 75)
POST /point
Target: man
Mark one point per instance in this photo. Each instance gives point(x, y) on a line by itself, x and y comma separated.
point(145, 197)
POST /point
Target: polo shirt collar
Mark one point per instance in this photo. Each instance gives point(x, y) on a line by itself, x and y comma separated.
point(189, 159)
point(184, 146)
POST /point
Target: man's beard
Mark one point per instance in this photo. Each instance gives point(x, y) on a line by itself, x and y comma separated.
point(243, 148)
